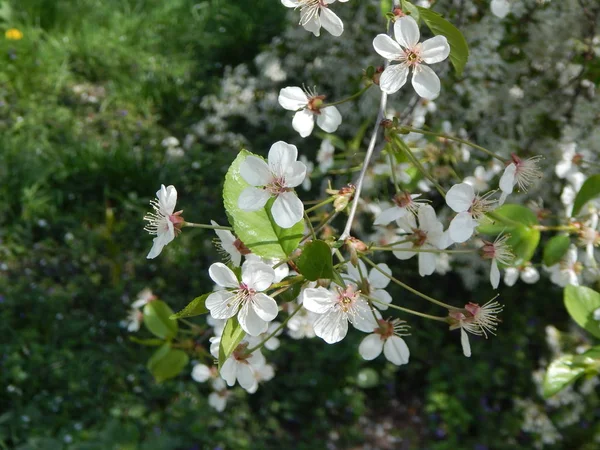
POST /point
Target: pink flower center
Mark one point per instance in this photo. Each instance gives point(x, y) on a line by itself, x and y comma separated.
point(277, 186)
point(412, 56)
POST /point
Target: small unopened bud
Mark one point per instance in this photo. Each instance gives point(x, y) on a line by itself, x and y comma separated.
point(342, 196)
point(399, 13)
point(354, 247)
point(386, 123)
point(377, 75)
point(315, 103)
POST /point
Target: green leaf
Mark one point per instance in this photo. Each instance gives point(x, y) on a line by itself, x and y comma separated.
point(581, 302)
point(231, 337)
point(257, 229)
point(316, 261)
point(196, 307)
point(166, 363)
point(520, 223)
point(459, 50)
point(555, 249)
point(561, 372)
point(147, 342)
point(411, 9)
point(385, 6)
point(156, 319)
point(589, 191)
point(291, 294)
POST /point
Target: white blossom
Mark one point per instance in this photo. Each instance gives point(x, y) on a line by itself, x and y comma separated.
point(309, 107)
point(245, 298)
point(499, 252)
point(567, 270)
point(521, 173)
point(231, 246)
point(325, 155)
point(371, 283)
point(407, 50)
point(275, 179)
point(337, 307)
point(528, 274)
point(164, 223)
point(315, 14)
point(500, 8)
point(242, 367)
point(470, 207)
point(404, 203)
point(386, 338)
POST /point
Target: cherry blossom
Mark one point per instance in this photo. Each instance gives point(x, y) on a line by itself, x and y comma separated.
point(242, 366)
point(520, 173)
point(275, 179)
point(245, 298)
point(470, 207)
point(409, 53)
point(386, 338)
point(163, 222)
point(500, 8)
point(499, 252)
point(528, 274)
point(309, 106)
point(230, 246)
point(315, 14)
point(476, 320)
point(371, 283)
point(337, 307)
point(325, 155)
point(404, 203)
point(567, 270)
point(429, 235)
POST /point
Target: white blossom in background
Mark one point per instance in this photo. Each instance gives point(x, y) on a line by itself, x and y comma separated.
point(276, 179)
point(164, 223)
point(404, 204)
point(521, 173)
point(242, 367)
point(262, 373)
point(144, 297)
point(337, 307)
point(325, 155)
point(302, 325)
point(231, 246)
point(315, 14)
point(134, 320)
point(409, 53)
point(371, 283)
point(500, 8)
point(499, 252)
point(470, 207)
point(273, 343)
point(309, 107)
point(386, 338)
point(567, 270)
point(528, 274)
point(218, 398)
point(428, 235)
point(480, 179)
point(589, 237)
point(310, 167)
point(245, 298)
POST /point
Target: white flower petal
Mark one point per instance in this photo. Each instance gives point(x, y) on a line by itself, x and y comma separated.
point(221, 304)
point(229, 371)
point(507, 180)
point(460, 197)
point(383, 297)
point(500, 8)
point(318, 300)
point(257, 275)
point(218, 402)
point(303, 122)
point(464, 341)
point(157, 246)
point(223, 275)
point(403, 255)
point(387, 47)
point(331, 22)
point(252, 199)
point(435, 49)
point(393, 78)
point(371, 347)
point(426, 82)
point(462, 227)
point(255, 171)
point(426, 263)
point(494, 274)
point(250, 322)
point(295, 174)
point(245, 377)
point(330, 119)
point(406, 32)
point(281, 155)
point(332, 326)
point(396, 351)
point(389, 215)
point(265, 307)
point(292, 98)
point(287, 210)
point(377, 279)
point(363, 319)
point(313, 24)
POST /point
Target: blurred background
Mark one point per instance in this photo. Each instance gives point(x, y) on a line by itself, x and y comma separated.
point(102, 101)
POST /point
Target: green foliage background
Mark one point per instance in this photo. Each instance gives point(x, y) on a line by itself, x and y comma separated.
point(75, 181)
